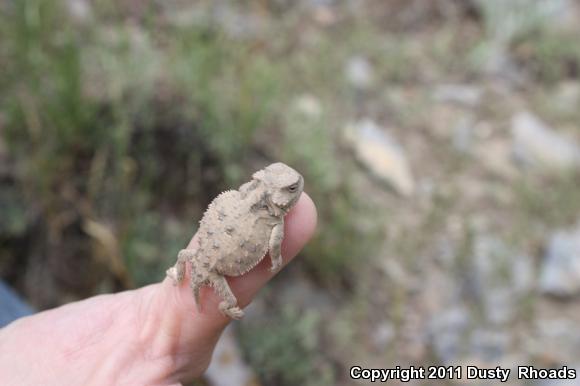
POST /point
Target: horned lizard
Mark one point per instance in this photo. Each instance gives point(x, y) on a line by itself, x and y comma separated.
point(237, 230)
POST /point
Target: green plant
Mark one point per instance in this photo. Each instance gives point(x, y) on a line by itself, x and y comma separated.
point(347, 234)
point(115, 121)
point(284, 349)
point(548, 55)
point(551, 201)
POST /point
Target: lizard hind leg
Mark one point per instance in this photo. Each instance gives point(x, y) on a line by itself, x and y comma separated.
point(195, 287)
point(199, 278)
point(229, 305)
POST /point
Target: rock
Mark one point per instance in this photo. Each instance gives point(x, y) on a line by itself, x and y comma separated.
point(237, 22)
point(383, 336)
point(227, 367)
point(80, 11)
point(303, 294)
point(560, 273)
point(185, 16)
point(554, 339)
point(463, 135)
point(446, 333)
point(308, 105)
point(496, 156)
point(539, 146)
point(359, 72)
point(324, 15)
point(559, 382)
point(381, 154)
point(505, 20)
point(501, 277)
point(395, 272)
point(567, 97)
point(489, 346)
point(458, 125)
point(460, 94)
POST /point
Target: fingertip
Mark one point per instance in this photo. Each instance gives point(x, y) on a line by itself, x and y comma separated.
point(310, 215)
point(300, 224)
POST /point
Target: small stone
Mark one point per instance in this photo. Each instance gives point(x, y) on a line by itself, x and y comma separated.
point(304, 295)
point(506, 20)
point(79, 10)
point(446, 332)
point(237, 23)
point(308, 105)
point(460, 94)
point(567, 97)
point(382, 155)
point(554, 338)
point(444, 119)
point(496, 156)
point(228, 367)
point(395, 272)
point(501, 278)
point(489, 346)
point(560, 274)
point(559, 382)
point(538, 145)
point(383, 335)
point(463, 134)
point(325, 15)
point(359, 72)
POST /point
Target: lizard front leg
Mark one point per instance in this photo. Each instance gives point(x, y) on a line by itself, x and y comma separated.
point(177, 272)
point(275, 246)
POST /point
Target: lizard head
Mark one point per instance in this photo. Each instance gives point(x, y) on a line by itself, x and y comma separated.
point(283, 184)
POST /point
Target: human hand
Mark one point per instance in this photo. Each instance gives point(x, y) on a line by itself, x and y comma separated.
point(149, 336)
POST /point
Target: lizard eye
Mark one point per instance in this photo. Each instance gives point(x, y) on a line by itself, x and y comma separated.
point(292, 188)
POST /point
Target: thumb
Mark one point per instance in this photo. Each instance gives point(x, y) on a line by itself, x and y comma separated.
point(191, 335)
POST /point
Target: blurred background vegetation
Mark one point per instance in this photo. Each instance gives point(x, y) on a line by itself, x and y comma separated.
point(439, 140)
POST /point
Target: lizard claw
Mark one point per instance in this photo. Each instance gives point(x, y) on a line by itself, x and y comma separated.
point(276, 264)
point(172, 274)
point(235, 313)
point(231, 312)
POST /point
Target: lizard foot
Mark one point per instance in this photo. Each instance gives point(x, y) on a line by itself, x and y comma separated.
point(172, 274)
point(231, 312)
